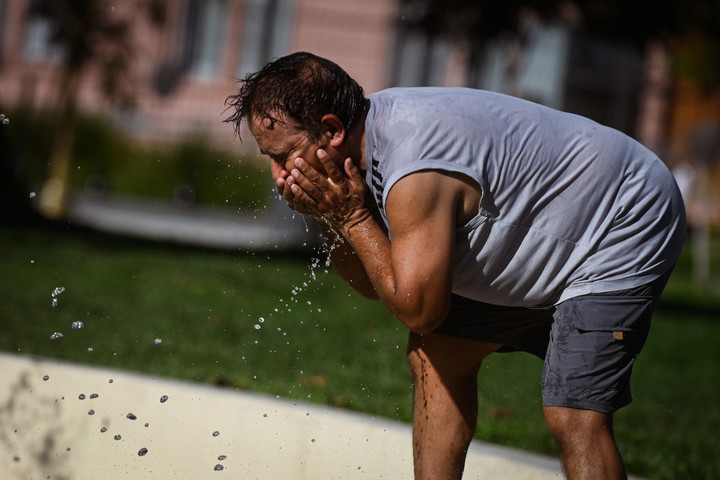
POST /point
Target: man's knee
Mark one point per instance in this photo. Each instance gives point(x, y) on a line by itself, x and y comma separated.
point(576, 425)
point(445, 356)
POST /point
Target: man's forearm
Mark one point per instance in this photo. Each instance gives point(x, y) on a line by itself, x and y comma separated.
point(346, 262)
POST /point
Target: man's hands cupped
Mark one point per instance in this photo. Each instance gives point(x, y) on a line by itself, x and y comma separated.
point(338, 197)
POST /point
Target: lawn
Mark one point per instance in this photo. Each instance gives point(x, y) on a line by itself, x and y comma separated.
point(286, 325)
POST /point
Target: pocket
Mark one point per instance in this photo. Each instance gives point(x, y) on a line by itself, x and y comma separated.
point(611, 313)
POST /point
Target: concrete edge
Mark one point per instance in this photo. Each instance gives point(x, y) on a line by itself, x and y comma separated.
point(60, 420)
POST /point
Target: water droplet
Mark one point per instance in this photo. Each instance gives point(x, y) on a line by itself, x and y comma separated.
point(91, 412)
point(218, 467)
point(257, 326)
point(90, 349)
point(261, 319)
point(216, 433)
point(103, 430)
point(222, 457)
point(163, 399)
point(131, 416)
point(77, 325)
point(142, 452)
point(117, 437)
point(110, 381)
point(158, 341)
point(94, 395)
point(147, 425)
point(81, 396)
point(56, 335)
point(46, 378)
point(5, 121)
point(68, 449)
point(32, 194)
point(57, 291)
point(54, 302)
point(313, 440)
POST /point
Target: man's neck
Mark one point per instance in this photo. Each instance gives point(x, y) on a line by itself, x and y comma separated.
point(357, 141)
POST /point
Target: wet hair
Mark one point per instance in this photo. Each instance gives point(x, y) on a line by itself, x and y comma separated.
point(302, 86)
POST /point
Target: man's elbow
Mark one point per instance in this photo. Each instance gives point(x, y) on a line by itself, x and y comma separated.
point(365, 289)
point(422, 324)
point(424, 315)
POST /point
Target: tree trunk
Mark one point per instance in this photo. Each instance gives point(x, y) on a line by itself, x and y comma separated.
point(53, 202)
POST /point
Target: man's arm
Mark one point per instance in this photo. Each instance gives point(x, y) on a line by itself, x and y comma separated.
point(413, 274)
point(346, 261)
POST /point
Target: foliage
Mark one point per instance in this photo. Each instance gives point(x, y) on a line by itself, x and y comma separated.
point(108, 162)
point(92, 32)
point(689, 28)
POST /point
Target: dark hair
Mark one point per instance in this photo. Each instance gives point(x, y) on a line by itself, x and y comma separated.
point(302, 86)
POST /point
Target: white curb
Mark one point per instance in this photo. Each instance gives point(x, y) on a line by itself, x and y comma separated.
point(47, 432)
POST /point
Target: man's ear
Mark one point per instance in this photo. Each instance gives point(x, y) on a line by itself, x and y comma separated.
point(333, 129)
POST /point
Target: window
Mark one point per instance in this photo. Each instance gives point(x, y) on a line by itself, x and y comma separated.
point(421, 60)
point(206, 36)
point(266, 33)
point(37, 44)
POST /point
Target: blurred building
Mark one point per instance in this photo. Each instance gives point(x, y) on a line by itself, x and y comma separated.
point(187, 65)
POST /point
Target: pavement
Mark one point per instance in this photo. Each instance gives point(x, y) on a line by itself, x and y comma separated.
point(61, 420)
point(276, 228)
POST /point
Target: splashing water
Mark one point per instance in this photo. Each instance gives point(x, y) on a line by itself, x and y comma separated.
point(55, 293)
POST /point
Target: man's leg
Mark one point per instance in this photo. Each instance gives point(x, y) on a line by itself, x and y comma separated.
point(586, 443)
point(444, 371)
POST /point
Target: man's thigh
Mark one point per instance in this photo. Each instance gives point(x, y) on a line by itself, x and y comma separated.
point(515, 328)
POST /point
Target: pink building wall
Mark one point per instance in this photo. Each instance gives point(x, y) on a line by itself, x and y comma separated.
point(356, 35)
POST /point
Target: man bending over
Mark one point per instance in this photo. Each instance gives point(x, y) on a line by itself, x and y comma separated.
point(484, 223)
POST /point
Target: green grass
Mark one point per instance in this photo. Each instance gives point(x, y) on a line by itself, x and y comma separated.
point(320, 342)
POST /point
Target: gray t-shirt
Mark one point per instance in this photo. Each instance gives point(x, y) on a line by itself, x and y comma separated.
point(569, 207)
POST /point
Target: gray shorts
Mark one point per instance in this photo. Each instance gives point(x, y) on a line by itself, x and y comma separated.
point(589, 343)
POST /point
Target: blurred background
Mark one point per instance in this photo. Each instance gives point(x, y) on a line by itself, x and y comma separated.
point(120, 183)
point(108, 100)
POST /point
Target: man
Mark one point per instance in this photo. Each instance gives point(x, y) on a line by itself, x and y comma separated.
point(484, 223)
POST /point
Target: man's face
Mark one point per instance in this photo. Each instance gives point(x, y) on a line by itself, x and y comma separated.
point(283, 141)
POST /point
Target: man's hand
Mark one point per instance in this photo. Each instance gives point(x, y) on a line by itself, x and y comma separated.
point(337, 197)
